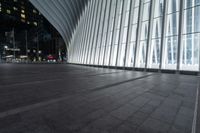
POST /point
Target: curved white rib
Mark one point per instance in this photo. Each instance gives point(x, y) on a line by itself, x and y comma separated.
point(62, 14)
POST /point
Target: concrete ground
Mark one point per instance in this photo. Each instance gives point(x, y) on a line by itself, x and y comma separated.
point(61, 98)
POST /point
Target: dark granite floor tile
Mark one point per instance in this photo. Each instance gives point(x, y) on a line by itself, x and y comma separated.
point(153, 126)
point(124, 111)
point(79, 99)
point(138, 118)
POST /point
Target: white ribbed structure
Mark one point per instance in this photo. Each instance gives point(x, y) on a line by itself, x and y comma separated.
point(62, 14)
point(139, 34)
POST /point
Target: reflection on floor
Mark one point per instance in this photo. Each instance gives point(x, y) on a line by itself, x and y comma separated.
point(78, 99)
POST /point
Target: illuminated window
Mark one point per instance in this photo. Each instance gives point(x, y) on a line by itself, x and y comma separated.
point(23, 16)
point(22, 11)
point(23, 20)
point(34, 11)
point(15, 0)
point(0, 9)
point(28, 22)
point(8, 11)
point(35, 23)
point(15, 8)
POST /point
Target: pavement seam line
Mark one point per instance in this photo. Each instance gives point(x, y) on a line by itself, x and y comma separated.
point(194, 123)
point(121, 82)
point(49, 80)
point(30, 107)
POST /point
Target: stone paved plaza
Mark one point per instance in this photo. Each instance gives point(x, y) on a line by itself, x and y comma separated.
point(58, 98)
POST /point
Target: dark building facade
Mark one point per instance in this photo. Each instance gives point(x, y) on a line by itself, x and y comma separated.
point(25, 30)
point(19, 11)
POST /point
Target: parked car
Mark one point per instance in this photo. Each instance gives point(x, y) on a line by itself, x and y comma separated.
point(51, 58)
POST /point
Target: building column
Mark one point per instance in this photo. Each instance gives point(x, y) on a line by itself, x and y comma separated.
point(95, 30)
point(131, 16)
point(104, 16)
point(95, 49)
point(90, 31)
point(138, 31)
point(120, 30)
point(163, 34)
point(152, 5)
point(180, 34)
point(107, 32)
point(113, 34)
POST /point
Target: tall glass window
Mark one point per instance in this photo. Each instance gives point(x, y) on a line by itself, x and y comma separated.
point(91, 35)
point(100, 33)
point(82, 36)
point(171, 36)
point(189, 58)
point(133, 30)
point(116, 33)
point(123, 35)
point(155, 44)
point(99, 14)
point(110, 33)
point(104, 33)
point(142, 46)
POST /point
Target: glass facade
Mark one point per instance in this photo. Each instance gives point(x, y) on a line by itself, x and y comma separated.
point(150, 34)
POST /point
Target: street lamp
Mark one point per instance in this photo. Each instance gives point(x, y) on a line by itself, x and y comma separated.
point(6, 47)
